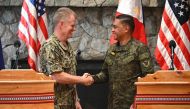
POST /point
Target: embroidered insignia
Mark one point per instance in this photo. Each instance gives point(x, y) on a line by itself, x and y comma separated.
point(112, 53)
point(146, 63)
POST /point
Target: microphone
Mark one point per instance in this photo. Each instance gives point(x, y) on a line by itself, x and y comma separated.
point(172, 46)
point(17, 44)
point(78, 54)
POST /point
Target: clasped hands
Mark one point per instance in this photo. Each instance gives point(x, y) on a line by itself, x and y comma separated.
point(87, 79)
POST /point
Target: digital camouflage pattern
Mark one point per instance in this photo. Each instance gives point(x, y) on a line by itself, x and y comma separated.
point(121, 67)
point(55, 58)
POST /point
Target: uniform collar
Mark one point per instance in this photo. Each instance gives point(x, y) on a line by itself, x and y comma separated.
point(125, 47)
point(63, 46)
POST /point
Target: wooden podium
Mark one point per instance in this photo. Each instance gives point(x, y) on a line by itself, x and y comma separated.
point(164, 90)
point(25, 89)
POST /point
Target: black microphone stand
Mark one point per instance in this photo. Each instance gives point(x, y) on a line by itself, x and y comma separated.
point(172, 59)
point(172, 46)
point(17, 57)
point(17, 45)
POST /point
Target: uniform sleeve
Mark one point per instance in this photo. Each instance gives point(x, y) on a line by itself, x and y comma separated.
point(102, 76)
point(52, 64)
point(145, 61)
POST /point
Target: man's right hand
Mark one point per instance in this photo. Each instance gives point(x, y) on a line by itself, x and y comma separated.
point(87, 79)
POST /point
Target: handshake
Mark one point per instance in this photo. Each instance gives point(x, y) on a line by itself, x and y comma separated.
point(86, 79)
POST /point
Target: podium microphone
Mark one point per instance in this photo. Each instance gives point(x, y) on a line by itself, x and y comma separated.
point(17, 45)
point(78, 53)
point(172, 46)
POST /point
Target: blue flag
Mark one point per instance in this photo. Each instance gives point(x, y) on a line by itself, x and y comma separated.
point(2, 66)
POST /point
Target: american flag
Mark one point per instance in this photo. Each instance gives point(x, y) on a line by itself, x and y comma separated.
point(133, 8)
point(175, 25)
point(33, 28)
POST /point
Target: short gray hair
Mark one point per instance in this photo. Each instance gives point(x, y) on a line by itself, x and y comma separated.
point(62, 14)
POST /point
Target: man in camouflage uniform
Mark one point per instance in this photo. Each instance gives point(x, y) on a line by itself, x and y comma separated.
point(58, 60)
point(125, 61)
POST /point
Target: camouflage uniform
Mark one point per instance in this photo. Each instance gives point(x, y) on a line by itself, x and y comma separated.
point(121, 67)
point(55, 58)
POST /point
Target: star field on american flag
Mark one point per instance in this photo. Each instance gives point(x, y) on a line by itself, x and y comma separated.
point(40, 6)
point(180, 9)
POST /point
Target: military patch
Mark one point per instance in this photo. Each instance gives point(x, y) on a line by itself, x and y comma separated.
point(146, 63)
point(113, 53)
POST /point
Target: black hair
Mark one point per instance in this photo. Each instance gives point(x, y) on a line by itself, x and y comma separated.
point(126, 20)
